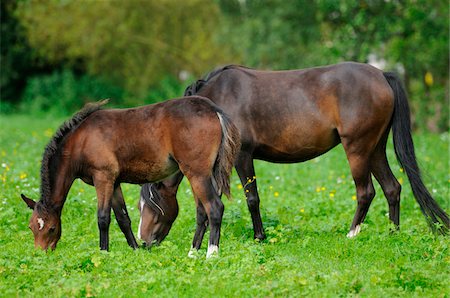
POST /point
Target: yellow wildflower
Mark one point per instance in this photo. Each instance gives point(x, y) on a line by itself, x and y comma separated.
point(48, 132)
point(276, 194)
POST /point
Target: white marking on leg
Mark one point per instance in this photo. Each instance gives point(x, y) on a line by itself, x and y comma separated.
point(193, 253)
point(354, 232)
point(213, 250)
point(141, 206)
point(41, 223)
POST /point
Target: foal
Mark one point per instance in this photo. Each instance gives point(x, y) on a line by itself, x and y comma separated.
point(104, 148)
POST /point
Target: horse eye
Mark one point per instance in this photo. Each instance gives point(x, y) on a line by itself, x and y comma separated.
point(51, 230)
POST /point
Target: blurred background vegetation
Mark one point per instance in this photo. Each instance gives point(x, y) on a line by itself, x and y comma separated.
point(57, 55)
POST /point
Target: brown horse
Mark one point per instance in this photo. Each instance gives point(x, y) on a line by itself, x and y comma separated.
point(147, 144)
point(293, 116)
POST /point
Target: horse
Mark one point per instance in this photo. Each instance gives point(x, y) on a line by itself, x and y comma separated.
point(296, 115)
point(106, 147)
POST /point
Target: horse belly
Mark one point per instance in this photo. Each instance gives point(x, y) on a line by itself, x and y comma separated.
point(297, 146)
point(144, 171)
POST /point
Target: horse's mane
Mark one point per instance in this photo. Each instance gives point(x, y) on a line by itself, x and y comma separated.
point(197, 85)
point(52, 147)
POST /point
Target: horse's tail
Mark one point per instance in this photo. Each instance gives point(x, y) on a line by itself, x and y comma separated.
point(229, 148)
point(404, 149)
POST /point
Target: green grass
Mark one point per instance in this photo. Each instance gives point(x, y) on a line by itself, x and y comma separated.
point(306, 208)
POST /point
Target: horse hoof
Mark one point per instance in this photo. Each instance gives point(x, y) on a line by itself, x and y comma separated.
point(193, 253)
point(259, 237)
point(213, 251)
point(354, 232)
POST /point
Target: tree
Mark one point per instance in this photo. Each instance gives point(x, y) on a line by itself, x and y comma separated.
point(133, 43)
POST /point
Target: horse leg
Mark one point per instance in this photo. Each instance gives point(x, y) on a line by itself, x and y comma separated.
point(202, 224)
point(120, 210)
point(365, 192)
point(206, 195)
point(104, 188)
point(391, 187)
point(246, 171)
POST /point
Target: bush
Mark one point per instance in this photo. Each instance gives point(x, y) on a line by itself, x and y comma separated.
point(168, 87)
point(62, 93)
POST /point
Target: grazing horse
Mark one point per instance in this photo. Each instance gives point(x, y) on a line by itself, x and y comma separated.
point(146, 144)
point(296, 115)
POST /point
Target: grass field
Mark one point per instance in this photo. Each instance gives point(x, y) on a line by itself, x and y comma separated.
point(307, 209)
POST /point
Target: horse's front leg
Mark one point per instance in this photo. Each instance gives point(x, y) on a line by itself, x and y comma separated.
point(104, 188)
point(246, 171)
point(120, 210)
point(205, 193)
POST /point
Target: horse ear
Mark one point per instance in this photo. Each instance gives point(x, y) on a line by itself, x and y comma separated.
point(28, 201)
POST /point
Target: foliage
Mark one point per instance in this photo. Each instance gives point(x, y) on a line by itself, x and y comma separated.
point(272, 34)
point(411, 36)
point(63, 92)
point(133, 43)
point(17, 58)
point(306, 209)
point(141, 46)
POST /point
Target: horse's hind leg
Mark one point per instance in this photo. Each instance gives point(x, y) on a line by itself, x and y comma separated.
point(202, 224)
point(391, 187)
point(246, 172)
point(120, 210)
point(206, 195)
point(358, 158)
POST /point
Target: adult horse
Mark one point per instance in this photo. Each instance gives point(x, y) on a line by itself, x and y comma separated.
point(146, 144)
point(293, 116)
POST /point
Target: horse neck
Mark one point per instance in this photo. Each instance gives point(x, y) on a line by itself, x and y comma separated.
point(63, 179)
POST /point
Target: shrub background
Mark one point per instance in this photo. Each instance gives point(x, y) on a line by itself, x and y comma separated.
point(139, 52)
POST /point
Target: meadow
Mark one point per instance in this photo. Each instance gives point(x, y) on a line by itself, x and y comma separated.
point(307, 209)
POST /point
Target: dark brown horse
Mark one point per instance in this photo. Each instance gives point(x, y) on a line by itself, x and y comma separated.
point(293, 116)
point(147, 144)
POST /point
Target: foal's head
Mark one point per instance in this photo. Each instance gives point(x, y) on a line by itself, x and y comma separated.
point(158, 207)
point(45, 223)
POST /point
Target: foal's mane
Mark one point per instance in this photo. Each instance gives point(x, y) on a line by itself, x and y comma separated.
point(52, 147)
point(197, 85)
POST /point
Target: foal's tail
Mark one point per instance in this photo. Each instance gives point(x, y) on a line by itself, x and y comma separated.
point(404, 149)
point(229, 148)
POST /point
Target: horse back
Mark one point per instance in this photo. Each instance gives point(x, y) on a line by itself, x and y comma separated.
point(146, 143)
point(290, 116)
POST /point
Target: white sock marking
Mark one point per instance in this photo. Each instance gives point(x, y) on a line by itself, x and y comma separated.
point(192, 253)
point(213, 250)
point(354, 232)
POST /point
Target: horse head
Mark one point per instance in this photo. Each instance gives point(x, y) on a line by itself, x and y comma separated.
point(158, 209)
point(45, 223)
